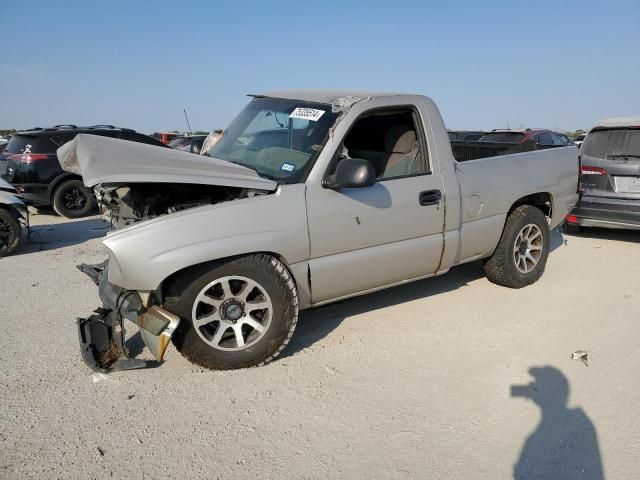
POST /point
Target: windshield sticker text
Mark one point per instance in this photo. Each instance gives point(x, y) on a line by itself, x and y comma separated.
point(307, 114)
point(287, 167)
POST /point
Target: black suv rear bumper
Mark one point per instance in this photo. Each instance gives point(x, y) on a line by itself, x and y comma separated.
point(607, 213)
point(34, 194)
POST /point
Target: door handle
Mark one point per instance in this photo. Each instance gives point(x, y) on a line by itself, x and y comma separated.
point(430, 197)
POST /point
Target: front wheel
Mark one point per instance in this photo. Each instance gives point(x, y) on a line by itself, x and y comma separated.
point(10, 230)
point(73, 200)
point(237, 314)
point(521, 255)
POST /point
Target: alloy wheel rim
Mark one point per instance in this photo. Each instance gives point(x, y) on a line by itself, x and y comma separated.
point(527, 248)
point(5, 233)
point(232, 313)
point(74, 199)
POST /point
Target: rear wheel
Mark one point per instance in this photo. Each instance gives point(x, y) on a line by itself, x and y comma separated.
point(521, 255)
point(73, 200)
point(238, 314)
point(9, 232)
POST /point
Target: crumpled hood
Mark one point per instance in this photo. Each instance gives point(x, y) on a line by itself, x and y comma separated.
point(103, 160)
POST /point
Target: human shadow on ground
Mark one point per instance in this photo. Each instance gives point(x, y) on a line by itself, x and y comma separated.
point(564, 445)
point(57, 235)
point(317, 323)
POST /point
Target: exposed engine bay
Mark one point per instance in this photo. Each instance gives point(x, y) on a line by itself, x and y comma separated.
point(125, 205)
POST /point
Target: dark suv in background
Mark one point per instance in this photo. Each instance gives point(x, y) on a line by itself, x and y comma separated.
point(29, 162)
point(609, 177)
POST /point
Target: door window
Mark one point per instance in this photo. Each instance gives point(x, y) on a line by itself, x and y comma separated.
point(390, 140)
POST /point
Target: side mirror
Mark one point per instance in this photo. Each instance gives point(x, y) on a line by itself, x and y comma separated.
point(352, 173)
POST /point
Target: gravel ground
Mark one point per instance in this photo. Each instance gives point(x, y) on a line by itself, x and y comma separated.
point(412, 382)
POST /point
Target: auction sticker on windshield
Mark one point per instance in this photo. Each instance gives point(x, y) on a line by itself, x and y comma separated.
point(307, 114)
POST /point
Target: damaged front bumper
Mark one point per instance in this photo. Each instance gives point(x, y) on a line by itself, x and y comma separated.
point(102, 334)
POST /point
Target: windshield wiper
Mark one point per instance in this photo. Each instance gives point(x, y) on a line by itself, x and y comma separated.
point(252, 167)
point(624, 155)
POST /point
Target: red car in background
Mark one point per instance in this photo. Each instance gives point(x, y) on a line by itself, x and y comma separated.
point(164, 137)
point(504, 142)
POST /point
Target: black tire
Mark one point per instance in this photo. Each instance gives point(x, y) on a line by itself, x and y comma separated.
point(10, 230)
point(501, 267)
point(270, 274)
point(571, 228)
point(72, 199)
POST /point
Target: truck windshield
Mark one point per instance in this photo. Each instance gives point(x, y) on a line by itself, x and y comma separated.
point(278, 138)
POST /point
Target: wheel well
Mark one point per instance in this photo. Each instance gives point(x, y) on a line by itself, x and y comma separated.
point(59, 180)
point(541, 200)
point(172, 287)
point(12, 210)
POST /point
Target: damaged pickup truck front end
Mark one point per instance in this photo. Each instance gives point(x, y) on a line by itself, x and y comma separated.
point(102, 334)
point(137, 183)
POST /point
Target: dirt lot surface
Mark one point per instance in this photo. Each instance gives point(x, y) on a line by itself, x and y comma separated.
point(413, 382)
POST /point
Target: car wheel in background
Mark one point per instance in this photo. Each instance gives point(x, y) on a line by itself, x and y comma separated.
point(237, 314)
point(9, 232)
point(521, 255)
point(72, 199)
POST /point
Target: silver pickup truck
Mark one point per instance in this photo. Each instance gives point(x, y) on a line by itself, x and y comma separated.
point(309, 197)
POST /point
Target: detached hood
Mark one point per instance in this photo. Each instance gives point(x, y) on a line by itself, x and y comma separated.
point(103, 160)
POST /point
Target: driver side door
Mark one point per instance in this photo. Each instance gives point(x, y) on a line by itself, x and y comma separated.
point(362, 239)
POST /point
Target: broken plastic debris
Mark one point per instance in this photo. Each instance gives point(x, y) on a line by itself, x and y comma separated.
point(343, 103)
point(98, 377)
point(581, 355)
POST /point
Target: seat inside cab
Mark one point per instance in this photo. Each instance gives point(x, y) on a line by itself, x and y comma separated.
point(388, 139)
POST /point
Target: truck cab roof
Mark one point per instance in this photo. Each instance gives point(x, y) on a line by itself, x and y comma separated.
point(329, 96)
point(618, 122)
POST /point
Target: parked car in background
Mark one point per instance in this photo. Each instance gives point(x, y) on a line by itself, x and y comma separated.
point(609, 177)
point(465, 135)
point(210, 141)
point(579, 139)
point(164, 137)
point(503, 142)
point(3, 145)
point(188, 143)
point(308, 198)
point(563, 138)
point(29, 162)
point(13, 214)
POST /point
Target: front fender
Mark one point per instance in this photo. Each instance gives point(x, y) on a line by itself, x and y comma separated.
point(147, 253)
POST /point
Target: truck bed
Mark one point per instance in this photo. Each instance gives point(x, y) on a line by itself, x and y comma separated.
point(490, 185)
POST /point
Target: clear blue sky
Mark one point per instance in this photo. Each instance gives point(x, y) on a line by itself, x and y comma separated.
point(557, 64)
